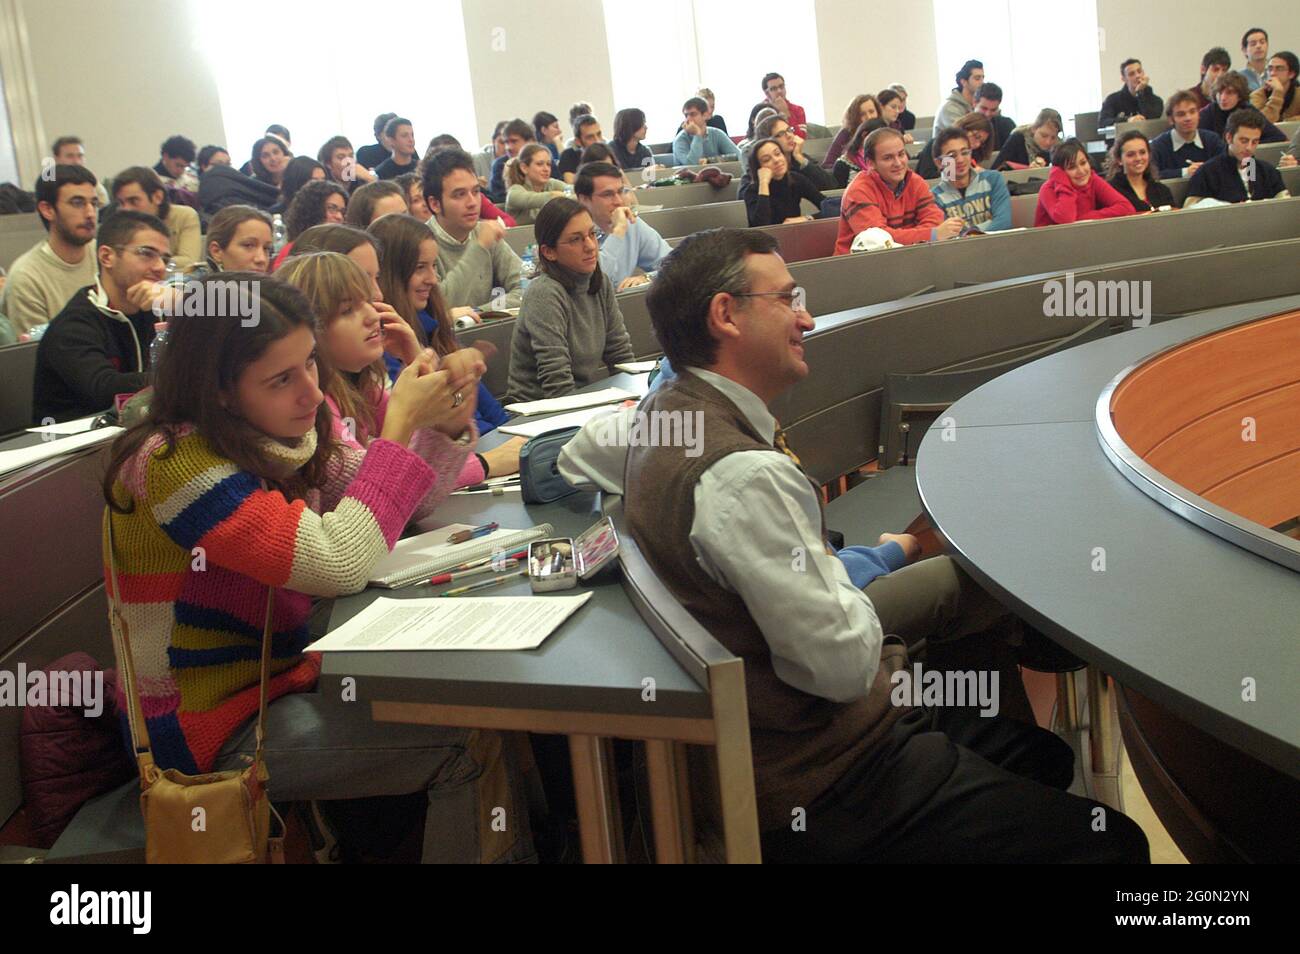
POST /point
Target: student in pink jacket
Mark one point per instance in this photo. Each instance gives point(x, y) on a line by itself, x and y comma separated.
point(1073, 192)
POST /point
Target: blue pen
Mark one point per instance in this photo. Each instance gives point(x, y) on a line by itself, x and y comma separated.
point(460, 536)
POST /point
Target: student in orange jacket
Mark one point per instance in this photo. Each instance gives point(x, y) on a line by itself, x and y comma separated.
point(1073, 192)
point(892, 197)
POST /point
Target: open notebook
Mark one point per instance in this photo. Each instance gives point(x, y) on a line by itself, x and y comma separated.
point(417, 558)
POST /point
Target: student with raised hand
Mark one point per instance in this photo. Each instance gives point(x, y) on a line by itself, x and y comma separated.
point(1237, 175)
point(529, 183)
point(97, 347)
point(373, 201)
point(404, 157)
point(342, 165)
point(628, 144)
point(586, 132)
point(962, 98)
point(1232, 93)
point(773, 193)
point(1214, 64)
point(239, 240)
point(269, 161)
point(979, 198)
point(1179, 151)
point(477, 270)
point(777, 128)
point(1031, 146)
point(517, 135)
point(1131, 170)
point(247, 471)
point(699, 142)
point(627, 243)
point(1074, 193)
point(1254, 44)
point(877, 781)
point(546, 127)
point(862, 107)
point(44, 277)
point(891, 197)
point(1276, 98)
point(1134, 100)
point(570, 331)
point(140, 190)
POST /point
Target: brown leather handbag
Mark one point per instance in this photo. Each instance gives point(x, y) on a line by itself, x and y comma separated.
point(215, 818)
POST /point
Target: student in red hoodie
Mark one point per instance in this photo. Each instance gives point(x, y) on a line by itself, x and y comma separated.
point(1073, 192)
point(892, 197)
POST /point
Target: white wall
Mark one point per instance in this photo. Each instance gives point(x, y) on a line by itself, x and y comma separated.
point(125, 74)
point(864, 49)
point(121, 74)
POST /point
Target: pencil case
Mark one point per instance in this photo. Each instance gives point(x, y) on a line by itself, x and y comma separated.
point(539, 475)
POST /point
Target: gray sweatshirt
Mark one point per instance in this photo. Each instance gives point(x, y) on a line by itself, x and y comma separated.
point(564, 337)
point(468, 272)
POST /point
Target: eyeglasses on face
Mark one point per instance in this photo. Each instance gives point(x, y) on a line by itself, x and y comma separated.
point(609, 194)
point(577, 241)
point(793, 299)
point(150, 255)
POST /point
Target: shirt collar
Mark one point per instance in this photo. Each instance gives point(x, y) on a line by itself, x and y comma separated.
point(1179, 141)
point(99, 298)
point(442, 235)
point(749, 403)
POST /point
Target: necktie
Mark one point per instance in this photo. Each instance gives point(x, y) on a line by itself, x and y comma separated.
point(779, 442)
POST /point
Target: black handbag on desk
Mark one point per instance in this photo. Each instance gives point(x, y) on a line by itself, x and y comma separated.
point(539, 475)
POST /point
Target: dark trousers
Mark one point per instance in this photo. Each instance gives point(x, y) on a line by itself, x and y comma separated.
point(949, 786)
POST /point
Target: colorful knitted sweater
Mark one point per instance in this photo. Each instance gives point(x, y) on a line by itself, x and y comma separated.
point(203, 542)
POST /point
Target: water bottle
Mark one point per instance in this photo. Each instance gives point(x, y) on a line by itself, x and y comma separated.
point(528, 267)
point(278, 233)
point(159, 344)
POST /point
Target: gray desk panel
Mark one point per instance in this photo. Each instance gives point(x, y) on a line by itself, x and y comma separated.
point(1062, 388)
point(1179, 614)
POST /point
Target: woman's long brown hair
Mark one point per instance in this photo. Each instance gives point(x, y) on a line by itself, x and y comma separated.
point(400, 237)
point(203, 359)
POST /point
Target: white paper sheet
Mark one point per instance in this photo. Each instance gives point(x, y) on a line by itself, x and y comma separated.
point(455, 622)
point(572, 419)
point(637, 367)
point(571, 402)
point(79, 426)
point(20, 457)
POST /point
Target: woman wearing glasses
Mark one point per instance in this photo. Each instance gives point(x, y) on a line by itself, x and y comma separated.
point(570, 331)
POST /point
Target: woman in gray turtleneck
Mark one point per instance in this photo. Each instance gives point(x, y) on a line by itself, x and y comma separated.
point(569, 331)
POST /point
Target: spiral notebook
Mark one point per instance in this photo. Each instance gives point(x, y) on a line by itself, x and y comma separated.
point(417, 558)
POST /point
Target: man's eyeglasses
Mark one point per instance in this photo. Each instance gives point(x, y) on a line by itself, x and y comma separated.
point(577, 241)
point(794, 299)
point(150, 255)
point(611, 193)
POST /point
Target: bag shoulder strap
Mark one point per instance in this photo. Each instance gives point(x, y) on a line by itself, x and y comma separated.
point(122, 644)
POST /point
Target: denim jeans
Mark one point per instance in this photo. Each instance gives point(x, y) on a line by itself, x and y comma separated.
point(319, 748)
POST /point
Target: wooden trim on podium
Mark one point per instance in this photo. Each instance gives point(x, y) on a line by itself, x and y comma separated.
point(735, 762)
point(695, 731)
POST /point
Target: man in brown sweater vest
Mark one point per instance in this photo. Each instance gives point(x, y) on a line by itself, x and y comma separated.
point(845, 769)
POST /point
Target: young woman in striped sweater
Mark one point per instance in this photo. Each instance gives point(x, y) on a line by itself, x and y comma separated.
point(233, 486)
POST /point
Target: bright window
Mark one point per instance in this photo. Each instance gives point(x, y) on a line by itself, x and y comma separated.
point(332, 68)
point(1039, 57)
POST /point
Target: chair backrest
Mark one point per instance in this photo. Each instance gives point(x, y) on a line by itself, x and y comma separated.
point(931, 393)
point(17, 375)
point(1085, 127)
point(1023, 208)
point(18, 233)
point(1148, 127)
point(499, 333)
point(817, 148)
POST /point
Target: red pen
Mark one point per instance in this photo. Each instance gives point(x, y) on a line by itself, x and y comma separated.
point(507, 563)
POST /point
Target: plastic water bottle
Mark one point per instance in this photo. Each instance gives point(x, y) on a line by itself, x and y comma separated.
point(528, 267)
point(279, 235)
point(158, 346)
